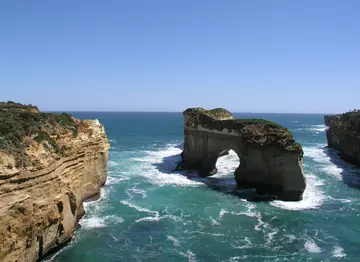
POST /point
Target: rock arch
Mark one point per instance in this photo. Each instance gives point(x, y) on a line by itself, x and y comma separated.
point(270, 159)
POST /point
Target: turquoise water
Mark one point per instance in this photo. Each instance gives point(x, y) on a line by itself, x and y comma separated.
point(147, 213)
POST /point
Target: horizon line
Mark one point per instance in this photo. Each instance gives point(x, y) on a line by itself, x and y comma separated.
point(129, 111)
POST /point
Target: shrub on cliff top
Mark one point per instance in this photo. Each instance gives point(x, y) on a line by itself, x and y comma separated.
point(16, 124)
point(350, 121)
point(14, 105)
point(210, 116)
point(256, 130)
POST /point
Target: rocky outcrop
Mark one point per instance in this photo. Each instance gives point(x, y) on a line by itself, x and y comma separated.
point(270, 159)
point(45, 178)
point(344, 135)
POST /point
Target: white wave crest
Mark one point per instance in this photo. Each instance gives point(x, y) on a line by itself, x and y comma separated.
point(189, 255)
point(313, 196)
point(115, 180)
point(207, 233)
point(98, 222)
point(312, 247)
point(140, 209)
point(175, 241)
point(226, 165)
point(319, 155)
point(157, 218)
point(333, 165)
point(318, 128)
point(237, 258)
point(154, 215)
point(270, 236)
point(247, 244)
point(338, 252)
point(249, 213)
point(315, 129)
point(158, 167)
point(138, 191)
point(214, 222)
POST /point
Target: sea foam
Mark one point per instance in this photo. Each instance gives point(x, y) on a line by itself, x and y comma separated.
point(175, 241)
point(313, 196)
point(338, 252)
point(159, 166)
point(318, 128)
point(311, 246)
point(140, 209)
point(98, 222)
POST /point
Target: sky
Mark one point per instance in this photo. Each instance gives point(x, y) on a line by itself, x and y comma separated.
point(285, 56)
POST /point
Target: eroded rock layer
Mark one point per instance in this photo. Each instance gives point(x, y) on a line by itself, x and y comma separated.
point(44, 183)
point(270, 159)
point(344, 135)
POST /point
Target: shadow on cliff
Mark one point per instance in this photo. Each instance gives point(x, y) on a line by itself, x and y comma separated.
point(225, 185)
point(350, 175)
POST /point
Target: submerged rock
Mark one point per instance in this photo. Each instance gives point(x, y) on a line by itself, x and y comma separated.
point(49, 164)
point(344, 135)
point(270, 159)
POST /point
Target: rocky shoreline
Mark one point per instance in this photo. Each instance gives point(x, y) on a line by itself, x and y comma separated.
point(49, 165)
point(344, 135)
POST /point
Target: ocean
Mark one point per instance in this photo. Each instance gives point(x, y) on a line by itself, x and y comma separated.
point(147, 212)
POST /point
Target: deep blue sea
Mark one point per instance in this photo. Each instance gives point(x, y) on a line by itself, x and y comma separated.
point(149, 213)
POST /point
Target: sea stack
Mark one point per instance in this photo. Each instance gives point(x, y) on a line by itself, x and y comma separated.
point(270, 159)
point(344, 135)
point(49, 164)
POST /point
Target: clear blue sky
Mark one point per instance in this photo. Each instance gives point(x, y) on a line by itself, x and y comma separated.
point(246, 56)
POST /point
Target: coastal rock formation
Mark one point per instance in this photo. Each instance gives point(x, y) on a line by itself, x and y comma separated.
point(49, 164)
point(270, 159)
point(344, 135)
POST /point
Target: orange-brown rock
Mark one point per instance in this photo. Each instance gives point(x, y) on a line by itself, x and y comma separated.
point(42, 188)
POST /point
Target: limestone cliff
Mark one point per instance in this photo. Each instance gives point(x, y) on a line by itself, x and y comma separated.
point(49, 164)
point(344, 135)
point(270, 159)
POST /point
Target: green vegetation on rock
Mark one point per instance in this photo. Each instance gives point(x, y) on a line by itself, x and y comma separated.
point(19, 121)
point(255, 130)
point(12, 105)
point(217, 113)
point(349, 121)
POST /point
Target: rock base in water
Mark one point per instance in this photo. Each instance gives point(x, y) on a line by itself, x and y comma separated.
point(270, 159)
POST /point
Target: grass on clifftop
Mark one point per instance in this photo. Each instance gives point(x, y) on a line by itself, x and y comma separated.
point(210, 116)
point(350, 121)
point(255, 130)
point(13, 105)
point(217, 113)
point(18, 121)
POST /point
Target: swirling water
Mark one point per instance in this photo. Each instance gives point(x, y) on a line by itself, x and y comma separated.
point(149, 213)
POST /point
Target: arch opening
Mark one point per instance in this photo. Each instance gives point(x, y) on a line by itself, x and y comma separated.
point(227, 163)
point(225, 166)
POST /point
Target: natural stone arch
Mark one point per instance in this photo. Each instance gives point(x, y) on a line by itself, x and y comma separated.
point(270, 159)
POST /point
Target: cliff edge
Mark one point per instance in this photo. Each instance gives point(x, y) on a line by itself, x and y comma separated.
point(49, 164)
point(344, 135)
point(270, 159)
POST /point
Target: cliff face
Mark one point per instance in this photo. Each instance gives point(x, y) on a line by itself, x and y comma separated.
point(344, 135)
point(44, 181)
point(270, 159)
